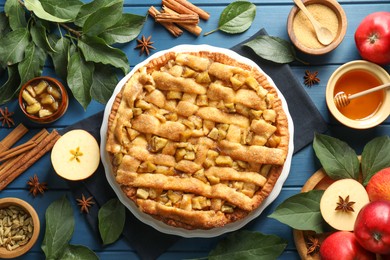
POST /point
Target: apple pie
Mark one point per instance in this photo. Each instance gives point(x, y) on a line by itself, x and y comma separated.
point(197, 139)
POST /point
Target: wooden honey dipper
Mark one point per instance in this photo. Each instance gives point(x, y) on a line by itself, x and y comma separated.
point(341, 99)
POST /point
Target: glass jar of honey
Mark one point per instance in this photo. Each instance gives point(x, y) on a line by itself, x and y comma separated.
point(365, 111)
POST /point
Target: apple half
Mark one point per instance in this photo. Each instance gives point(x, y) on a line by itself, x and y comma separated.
point(76, 155)
point(341, 203)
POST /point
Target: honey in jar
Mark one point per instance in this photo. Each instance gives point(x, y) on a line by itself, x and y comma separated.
point(356, 81)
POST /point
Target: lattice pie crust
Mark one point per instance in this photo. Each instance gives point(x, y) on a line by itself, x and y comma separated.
point(197, 140)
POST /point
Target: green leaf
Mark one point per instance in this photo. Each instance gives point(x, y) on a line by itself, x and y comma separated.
point(78, 252)
point(80, 78)
point(111, 220)
point(10, 88)
point(272, 48)
point(32, 65)
point(337, 158)
point(59, 228)
point(12, 46)
point(125, 30)
point(87, 9)
point(103, 19)
point(36, 7)
point(60, 57)
point(16, 14)
point(96, 50)
point(375, 157)
point(39, 36)
point(301, 211)
point(237, 17)
point(63, 9)
point(246, 244)
point(4, 25)
point(104, 83)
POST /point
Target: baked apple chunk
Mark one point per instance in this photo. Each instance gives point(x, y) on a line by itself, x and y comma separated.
point(197, 140)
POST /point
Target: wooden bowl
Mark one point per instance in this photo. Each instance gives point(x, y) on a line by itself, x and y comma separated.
point(7, 202)
point(63, 101)
point(342, 27)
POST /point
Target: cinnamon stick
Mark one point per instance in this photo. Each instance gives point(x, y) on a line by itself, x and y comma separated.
point(4, 167)
point(185, 7)
point(192, 28)
point(14, 136)
point(171, 27)
point(177, 18)
point(30, 158)
point(16, 150)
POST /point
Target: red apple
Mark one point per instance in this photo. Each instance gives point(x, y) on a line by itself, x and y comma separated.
point(372, 227)
point(378, 187)
point(372, 38)
point(343, 245)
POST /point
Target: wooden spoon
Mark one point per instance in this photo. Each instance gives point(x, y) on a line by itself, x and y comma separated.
point(342, 100)
point(324, 36)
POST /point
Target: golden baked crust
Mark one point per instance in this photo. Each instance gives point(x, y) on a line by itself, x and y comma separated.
point(197, 140)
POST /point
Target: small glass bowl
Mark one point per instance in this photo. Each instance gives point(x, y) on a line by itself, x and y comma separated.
point(7, 202)
point(380, 115)
point(62, 103)
point(342, 28)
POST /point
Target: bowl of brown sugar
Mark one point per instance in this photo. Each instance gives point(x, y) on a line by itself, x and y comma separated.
point(328, 13)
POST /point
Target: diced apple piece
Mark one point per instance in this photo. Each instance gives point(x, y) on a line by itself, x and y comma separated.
point(341, 203)
point(75, 156)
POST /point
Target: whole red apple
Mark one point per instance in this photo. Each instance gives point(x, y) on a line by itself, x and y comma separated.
point(372, 38)
point(343, 245)
point(372, 227)
point(378, 187)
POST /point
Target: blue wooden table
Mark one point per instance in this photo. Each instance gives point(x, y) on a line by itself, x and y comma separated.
point(271, 15)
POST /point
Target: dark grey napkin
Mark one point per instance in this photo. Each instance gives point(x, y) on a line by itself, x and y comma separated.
point(145, 240)
point(306, 118)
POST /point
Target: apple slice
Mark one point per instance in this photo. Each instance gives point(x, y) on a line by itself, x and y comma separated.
point(341, 203)
point(75, 156)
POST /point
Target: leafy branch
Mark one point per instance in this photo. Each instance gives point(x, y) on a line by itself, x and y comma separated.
point(76, 36)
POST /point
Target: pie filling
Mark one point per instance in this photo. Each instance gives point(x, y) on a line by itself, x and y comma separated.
point(197, 140)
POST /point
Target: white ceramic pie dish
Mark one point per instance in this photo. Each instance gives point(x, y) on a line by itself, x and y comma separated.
point(159, 225)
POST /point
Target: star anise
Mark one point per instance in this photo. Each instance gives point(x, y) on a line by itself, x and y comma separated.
point(36, 186)
point(313, 245)
point(145, 45)
point(345, 205)
point(6, 117)
point(85, 203)
point(311, 78)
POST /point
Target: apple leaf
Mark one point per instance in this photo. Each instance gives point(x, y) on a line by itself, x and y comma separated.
point(59, 228)
point(103, 84)
point(125, 30)
point(60, 56)
point(80, 78)
point(16, 14)
point(4, 25)
point(78, 252)
point(237, 17)
point(36, 7)
point(272, 48)
point(112, 216)
point(63, 9)
point(248, 245)
point(103, 19)
point(88, 9)
point(301, 211)
point(96, 50)
point(32, 64)
point(337, 158)
point(8, 90)
point(12, 46)
point(375, 157)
